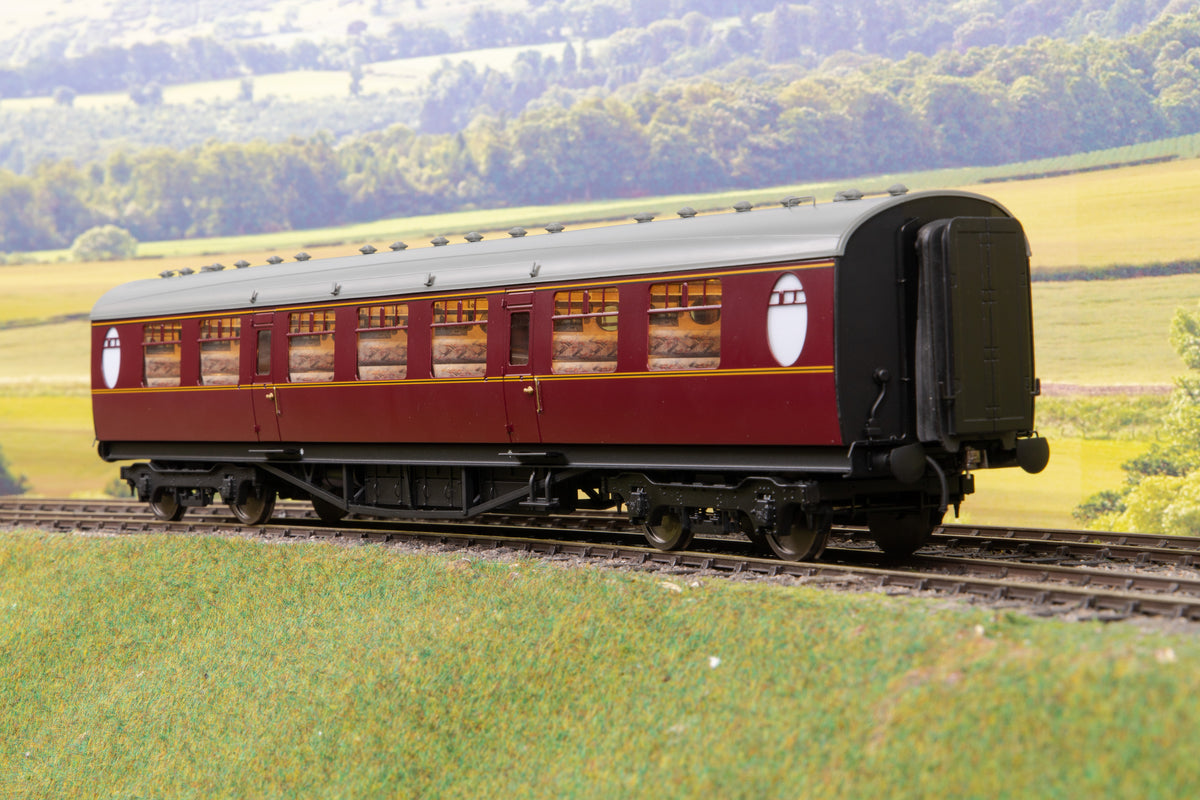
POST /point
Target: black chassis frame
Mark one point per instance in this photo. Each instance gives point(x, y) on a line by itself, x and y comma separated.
point(475, 479)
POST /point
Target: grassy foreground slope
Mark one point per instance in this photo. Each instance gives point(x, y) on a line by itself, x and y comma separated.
point(162, 667)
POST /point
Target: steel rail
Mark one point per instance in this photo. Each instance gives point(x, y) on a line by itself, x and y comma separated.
point(1059, 588)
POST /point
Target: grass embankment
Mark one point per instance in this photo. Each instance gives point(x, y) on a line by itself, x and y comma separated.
point(160, 667)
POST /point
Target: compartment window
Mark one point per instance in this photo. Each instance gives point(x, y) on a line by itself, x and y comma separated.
point(310, 346)
point(219, 351)
point(685, 325)
point(585, 331)
point(460, 337)
point(383, 342)
point(161, 353)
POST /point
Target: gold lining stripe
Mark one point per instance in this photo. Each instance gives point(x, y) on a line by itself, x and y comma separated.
point(683, 373)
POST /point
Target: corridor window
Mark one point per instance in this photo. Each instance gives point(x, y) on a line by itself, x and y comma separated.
point(685, 325)
point(219, 353)
point(161, 355)
point(383, 342)
point(460, 337)
point(584, 338)
point(310, 346)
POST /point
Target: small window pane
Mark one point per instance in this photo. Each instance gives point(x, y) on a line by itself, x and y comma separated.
point(584, 339)
point(263, 360)
point(685, 325)
point(161, 353)
point(518, 339)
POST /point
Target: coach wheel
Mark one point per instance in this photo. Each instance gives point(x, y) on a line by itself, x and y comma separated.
point(256, 509)
point(328, 512)
point(668, 528)
point(902, 533)
point(800, 535)
point(166, 506)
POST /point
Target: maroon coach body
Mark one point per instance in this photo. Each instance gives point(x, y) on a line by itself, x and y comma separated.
point(767, 371)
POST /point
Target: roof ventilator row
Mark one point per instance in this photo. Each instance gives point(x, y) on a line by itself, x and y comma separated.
point(687, 212)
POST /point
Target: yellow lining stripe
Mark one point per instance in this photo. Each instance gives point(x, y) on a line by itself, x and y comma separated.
point(683, 373)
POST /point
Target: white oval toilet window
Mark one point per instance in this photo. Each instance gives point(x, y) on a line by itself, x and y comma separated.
point(787, 320)
point(110, 357)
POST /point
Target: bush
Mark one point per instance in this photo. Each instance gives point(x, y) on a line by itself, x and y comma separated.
point(9, 483)
point(118, 488)
point(104, 243)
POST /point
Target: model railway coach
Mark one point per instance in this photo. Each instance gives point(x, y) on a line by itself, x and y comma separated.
point(768, 371)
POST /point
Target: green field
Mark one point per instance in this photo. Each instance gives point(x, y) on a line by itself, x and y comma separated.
point(1134, 215)
point(203, 667)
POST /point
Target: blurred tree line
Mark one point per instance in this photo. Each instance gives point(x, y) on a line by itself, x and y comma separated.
point(625, 121)
point(778, 31)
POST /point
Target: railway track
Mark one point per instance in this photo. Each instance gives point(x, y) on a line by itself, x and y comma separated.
point(1085, 573)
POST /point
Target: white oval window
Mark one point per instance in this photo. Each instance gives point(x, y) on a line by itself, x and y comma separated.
point(787, 320)
point(110, 358)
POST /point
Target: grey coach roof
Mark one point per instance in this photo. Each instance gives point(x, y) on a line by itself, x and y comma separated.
point(719, 240)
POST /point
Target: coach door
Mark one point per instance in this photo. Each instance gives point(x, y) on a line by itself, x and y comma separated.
point(261, 347)
point(522, 387)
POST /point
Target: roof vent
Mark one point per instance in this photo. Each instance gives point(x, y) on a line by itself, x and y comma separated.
point(792, 201)
point(897, 189)
point(644, 217)
point(366, 249)
point(397, 246)
point(170, 273)
point(241, 264)
point(274, 260)
point(473, 237)
point(517, 232)
point(186, 271)
point(555, 227)
point(213, 268)
point(440, 241)
point(847, 194)
point(742, 206)
point(687, 212)
point(302, 256)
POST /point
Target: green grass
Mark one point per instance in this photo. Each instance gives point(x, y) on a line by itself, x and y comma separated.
point(161, 667)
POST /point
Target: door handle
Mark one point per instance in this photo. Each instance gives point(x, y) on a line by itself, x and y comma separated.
point(271, 396)
point(535, 390)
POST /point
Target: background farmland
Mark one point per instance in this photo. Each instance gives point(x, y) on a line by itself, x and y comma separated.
point(218, 131)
